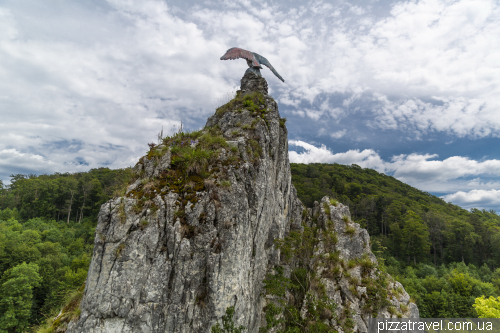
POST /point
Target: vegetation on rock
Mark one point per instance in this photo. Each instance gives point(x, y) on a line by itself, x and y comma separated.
point(227, 323)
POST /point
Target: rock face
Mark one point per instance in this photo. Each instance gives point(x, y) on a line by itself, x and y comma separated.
point(195, 233)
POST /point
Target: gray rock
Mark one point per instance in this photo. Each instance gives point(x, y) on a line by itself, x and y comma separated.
point(151, 273)
point(147, 276)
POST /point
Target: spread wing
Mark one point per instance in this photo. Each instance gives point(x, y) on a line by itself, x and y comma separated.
point(237, 53)
point(265, 62)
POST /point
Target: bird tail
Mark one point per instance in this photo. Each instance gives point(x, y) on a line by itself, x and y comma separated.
point(266, 63)
point(276, 73)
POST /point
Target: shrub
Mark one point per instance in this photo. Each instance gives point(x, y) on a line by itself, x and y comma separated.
point(121, 212)
point(350, 230)
point(227, 323)
point(282, 122)
point(326, 207)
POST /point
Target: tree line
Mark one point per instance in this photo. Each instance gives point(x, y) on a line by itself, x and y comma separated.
point(62, 196)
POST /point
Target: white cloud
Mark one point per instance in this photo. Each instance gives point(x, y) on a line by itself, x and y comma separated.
point(23, 162)
point(424, 172)
point(338, 134)
point(106, 78)
point(475, 198)
point(367, 158)
point(439, 50)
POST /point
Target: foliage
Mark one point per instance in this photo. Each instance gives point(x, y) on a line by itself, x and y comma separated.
point(487, 307)
point(227, 323)
point(446, 292)
point(297, 250)
point(282, 122)
point(454, 254)
point(16, 296)
point(41, 261)
point(414, 236)
point(253, 102)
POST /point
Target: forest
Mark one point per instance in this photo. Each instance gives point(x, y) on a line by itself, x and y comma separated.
point(47, 226)
point(446, 257)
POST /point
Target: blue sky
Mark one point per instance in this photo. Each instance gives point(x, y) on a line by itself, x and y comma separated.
point(409, 88)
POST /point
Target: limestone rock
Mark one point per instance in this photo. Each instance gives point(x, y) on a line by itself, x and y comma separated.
point(172, 255)
point(152, 273)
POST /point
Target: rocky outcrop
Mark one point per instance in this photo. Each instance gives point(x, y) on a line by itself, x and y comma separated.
point(196, 234)
point(342, 271)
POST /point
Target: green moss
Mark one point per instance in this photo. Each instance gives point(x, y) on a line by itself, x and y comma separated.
point(227, 324)
point(137, 208)
point(304, 284)
point(255, 151)
point(225, 183)
point(119, 249)
point(376, 293)
point(252, 102)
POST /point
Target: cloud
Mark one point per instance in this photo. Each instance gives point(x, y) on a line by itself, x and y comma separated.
point(107, 77)
point(338, 134)
point(475, 199)
point(422, 171)
point(428, 66)
point(367, 158)
point(88, 84)
point(13, 162)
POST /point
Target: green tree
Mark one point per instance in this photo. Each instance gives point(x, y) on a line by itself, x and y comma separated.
point(461, 237)
point(16, 296)
point(487, 307)
point(415, 236)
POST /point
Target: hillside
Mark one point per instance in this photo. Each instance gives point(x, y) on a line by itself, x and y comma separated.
point(381, 203)
point(444, 256)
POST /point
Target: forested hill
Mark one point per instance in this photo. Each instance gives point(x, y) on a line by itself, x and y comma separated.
point(445, 256)
point(414, 225)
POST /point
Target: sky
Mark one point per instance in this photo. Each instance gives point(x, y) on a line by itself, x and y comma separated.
point(408, 88)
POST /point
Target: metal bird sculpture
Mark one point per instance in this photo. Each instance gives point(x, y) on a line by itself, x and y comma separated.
point(253, 59)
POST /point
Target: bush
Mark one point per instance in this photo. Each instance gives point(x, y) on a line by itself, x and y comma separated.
point(227, 323)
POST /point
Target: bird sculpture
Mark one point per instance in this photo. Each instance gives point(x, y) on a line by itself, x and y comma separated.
point(253, 59)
